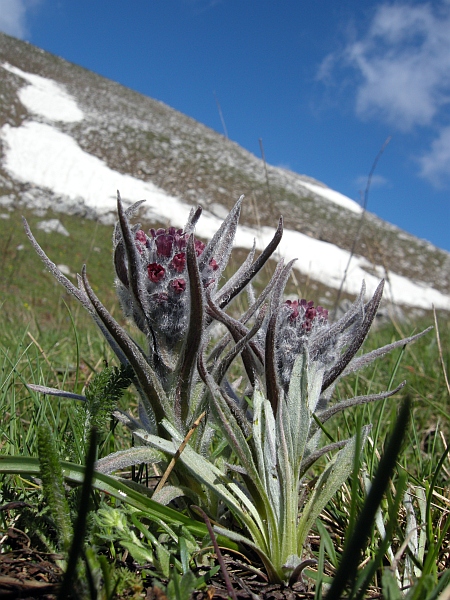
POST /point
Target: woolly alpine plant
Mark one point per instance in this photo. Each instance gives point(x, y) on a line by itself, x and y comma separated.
point(252, 453)
point(161, 280)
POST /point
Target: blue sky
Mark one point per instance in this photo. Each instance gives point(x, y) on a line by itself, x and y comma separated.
point(322, 83)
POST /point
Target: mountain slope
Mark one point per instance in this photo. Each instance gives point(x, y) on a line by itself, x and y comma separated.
point(69, 138)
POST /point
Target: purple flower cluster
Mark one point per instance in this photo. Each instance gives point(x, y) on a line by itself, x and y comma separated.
point(163, 264)
point(307, 313)
point(299, 321)
point(168, 247)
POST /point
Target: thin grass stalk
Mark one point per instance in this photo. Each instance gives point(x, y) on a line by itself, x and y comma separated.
point(352, 550)
point(355, 478)
point(223, 566)
point(368, 573)
point(360, 224)
point(320, 570)
point(441, 355)
point(383, 404)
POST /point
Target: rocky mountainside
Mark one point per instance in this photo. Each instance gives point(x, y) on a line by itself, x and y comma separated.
point(52, 156)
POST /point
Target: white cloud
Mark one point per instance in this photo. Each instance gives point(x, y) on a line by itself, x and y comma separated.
point(13, 16)
point(435, 165)
point(404, 64)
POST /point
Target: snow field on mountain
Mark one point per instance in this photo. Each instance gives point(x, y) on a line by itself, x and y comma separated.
point(333, 196)
point(40, 154)
point(46, 98)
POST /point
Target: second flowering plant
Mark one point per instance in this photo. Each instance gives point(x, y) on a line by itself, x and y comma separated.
point(249, 455)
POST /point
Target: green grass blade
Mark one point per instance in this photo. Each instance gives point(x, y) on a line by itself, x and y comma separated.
point(350, 558)
point(74, 473)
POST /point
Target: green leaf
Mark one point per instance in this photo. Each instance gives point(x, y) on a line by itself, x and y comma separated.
point(180, 587)
point(140, 553)
point(74, 473)
point(192, 340)
point(329, 545)
point(104, 392)
point(53, 484)
point(147, 378)
point(354, 546)
point(390, 586)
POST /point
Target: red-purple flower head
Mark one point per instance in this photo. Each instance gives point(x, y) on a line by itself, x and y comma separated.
point(199, 247)
point(305, 313)
point(155, 272)
point(168, 240)
point(299, 320)
point(141, 240)
point(178, 262)
point(178, 285)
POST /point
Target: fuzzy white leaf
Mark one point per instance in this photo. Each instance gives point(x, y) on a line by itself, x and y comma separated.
point(297, 418)
point(205, 472)
point(264, 428)
point(327, 485)
point(127, 458)
point(315, 373)
point(167, 494)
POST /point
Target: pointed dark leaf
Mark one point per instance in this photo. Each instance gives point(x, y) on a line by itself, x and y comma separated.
point(79, 295)
point(43, 389)
point(129, 213)
point(308, 462)
point(270, 361)
point(222, 343)
point(194, 216)
point(111, 341)
point(127, 420)
point(364, 360)
point(120, 264)
point(137, 286)
point(238, 331)
point(326, 414)
point(277, 275)
point(194, 333)
point(237, 276)
point(223, 365)
point(326, 335)
point(227, 294)
point(280, 285)
point(371, 311)
point(236, 328)
point(147, 378)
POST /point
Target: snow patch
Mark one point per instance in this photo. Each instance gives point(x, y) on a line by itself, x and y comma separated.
point(46, 98)
point(333, 196)
point(53, 226)
point(39, 154)
point(42, 155)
